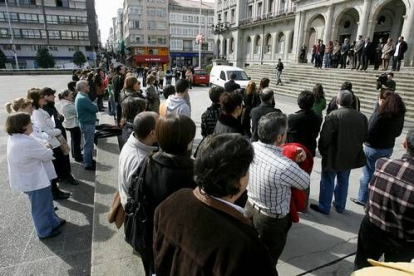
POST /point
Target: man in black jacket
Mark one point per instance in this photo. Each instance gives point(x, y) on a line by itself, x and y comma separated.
point(210, 117)
point(358, 52)
point(267, 106)
point(366, 53)
point(400, 49)
point(279, 69)
point(355, 100)
point(340, 145)
point(231, 85)
point(344, 53)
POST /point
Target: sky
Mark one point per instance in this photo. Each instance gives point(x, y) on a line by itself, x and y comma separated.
point(106, 9)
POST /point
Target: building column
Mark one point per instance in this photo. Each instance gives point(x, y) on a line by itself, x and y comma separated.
point(363, 20)
point(327, 36)
point(299, 32)
point(407, 33)
point(252, 53)
point(274, 41)
point(286, 46)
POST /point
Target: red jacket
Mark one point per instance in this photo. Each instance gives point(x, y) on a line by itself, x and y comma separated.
point(298, 198)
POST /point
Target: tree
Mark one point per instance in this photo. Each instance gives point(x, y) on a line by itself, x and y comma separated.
point(44, 59)
point(3, 59)
point(79, 58)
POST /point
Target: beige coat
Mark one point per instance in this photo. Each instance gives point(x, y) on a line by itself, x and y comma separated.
point(387, 51)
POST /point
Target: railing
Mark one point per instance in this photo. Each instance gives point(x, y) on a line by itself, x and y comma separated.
point(268, 16)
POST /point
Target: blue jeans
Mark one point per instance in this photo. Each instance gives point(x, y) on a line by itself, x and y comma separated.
point(328, 60)
point(328, 189)
point(112, 105)
point(372, 155)
point(88, 135)
point(43, 213)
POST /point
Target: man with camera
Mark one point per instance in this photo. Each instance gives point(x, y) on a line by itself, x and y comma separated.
point(385, 81)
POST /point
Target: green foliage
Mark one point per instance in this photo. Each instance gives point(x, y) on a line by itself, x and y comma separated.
point(44, 59)
point(79, 58)
point(3, 60)
point(208, 69)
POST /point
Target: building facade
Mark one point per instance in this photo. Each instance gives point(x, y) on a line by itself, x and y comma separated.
point(59, 25)
point(184, 27)
point(145, 26)
point(262, 31)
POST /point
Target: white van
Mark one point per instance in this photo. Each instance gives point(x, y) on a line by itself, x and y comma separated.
point(220, 74)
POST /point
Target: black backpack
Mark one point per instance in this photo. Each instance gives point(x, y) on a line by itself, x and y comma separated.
point(137, 224)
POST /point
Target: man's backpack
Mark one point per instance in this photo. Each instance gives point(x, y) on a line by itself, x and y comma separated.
point(137, 224)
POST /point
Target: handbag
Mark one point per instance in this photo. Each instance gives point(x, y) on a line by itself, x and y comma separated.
point(63, 144)
point(116, 213)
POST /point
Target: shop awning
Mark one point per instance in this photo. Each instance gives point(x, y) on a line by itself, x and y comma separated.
point(152, 58)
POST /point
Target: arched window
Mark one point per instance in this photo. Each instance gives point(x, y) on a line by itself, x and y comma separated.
point(232, 45)
point(218, 47)
point(248, 45)
point(258, 44)
point(268, 43)
point(281, 43)
point(225, 47)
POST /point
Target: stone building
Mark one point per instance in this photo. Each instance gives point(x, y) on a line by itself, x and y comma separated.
point(261, 31)
point(62, 26)
point(184, 25)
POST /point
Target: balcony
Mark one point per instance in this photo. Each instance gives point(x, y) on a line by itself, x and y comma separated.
point(268, 16)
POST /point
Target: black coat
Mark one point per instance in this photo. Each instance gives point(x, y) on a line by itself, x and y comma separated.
point(341, 139)
point(231, 86)
point(303, 128)
point(257, 113)
point(403, 48)
point(382, 131)
point(368, 49)
point(228, 124)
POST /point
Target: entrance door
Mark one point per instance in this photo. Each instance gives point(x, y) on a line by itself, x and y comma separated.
point(342, 38)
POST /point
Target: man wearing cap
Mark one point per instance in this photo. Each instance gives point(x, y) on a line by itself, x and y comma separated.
point(267, 106)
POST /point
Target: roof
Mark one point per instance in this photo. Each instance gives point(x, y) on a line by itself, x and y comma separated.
point(192, 4)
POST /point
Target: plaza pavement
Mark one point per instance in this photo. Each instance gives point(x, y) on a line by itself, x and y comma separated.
point(315, 242)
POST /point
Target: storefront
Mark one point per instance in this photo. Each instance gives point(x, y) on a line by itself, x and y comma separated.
point(189, 59)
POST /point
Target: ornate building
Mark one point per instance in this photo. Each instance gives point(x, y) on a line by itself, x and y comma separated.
point(261, 31)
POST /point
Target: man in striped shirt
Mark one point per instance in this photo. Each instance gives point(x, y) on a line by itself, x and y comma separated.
point(271, 177)
point(388, 226)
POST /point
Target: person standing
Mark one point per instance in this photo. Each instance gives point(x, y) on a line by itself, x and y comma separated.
point(366, 53)
point(100, 87)
point(152, 94)
point(386, 54)
point(320, 101)
point(344, 53)
point(279, 69)
point(117, 84)
point(273, 176)
point(30, 172)
point(320, 54)
point(190, 218)
point(328, 54)
point(336, 54)
point(340, 145)
point(358, 52)
point(385, 125)
point(176, 103)
point(86, 111)
point(378, 54)
point(210, 117)
point(231, 85)
point(387, 228)
point(400, 49)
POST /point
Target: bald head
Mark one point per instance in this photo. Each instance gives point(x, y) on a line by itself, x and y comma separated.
point(267, 95)
point(144, 123)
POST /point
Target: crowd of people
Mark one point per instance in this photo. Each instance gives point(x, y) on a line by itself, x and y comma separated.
point(248, 178)
point(358, 54)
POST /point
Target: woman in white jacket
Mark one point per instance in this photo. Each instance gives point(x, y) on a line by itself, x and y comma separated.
point(71, 123)
point(30, 172)
point(42, 122)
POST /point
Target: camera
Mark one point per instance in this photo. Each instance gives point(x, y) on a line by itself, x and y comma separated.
point(382, 80)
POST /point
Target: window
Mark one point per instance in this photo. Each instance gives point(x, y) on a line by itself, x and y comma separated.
point(41, 19)
point(4, 32)
point(54, 35)
point(268, 44)
point(271, 5)
point(10, 47)
point(52, 19)
point(161, 12)
point(13, 17)
point(151, 12)
point(232, 45)
point(152, 39)
point(232, 16)
point(27, 2)
point(162, 40)
point(64, 19)
point(259, 9)
point(188, 45)
point(62, 3)
point(137, 24)
point(161, 25)
point(258, 45)
point(83, 35)
point(219, 16)
point(28, 18)
point(176, 45)
point(248, 45)
point(66, 35)
point(73, 48)
point(30, 33)
point(222, 75)
point(225, 16)
point(152, 25)
point(17, 33)
point(281, 43)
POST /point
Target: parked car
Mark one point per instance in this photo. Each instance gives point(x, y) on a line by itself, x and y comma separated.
point(200, 77)
point(220, 74)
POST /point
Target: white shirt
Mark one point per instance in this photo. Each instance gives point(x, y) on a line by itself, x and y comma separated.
point(42, 122)
point(131, 156)
point(396, 49)
point(238, 208)
point(272, 175)
point(69, 112)
point(28, 167)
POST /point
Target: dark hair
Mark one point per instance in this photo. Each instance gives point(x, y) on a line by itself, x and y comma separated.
point(215, 93)
point(174, 132)
point(318, 92)
point(393, 105)
point(271, 126)
point(17, 122)
point(181, 85)
point(410, 142)
point(144, 123)
point(264, 82)
point(72, 85)
point(131, 106)
point(229, 101)
point(47, 91)
point(306, 100)
point(35, 94)
point(221, 161)
point(64, 94)
point(98, 80)
point(346, 86)
point(267, 94)
point(130, 82)
point(168, 90)
point(233, 76)
point(90, 77)
point(391, 74)
point(118, 68)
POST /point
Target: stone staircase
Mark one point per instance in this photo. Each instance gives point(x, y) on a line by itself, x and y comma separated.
point(297, 78)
